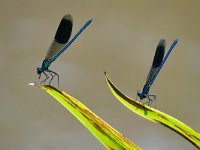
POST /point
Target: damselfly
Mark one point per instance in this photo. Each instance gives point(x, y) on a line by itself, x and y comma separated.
point(157, 65)
point(58, 46)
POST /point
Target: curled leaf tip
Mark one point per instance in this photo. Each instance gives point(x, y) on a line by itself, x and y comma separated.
point(32, 84)
point(35, 84)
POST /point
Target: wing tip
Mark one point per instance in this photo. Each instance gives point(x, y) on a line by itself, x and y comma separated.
point(162, 43)
point(160, 50)
point(64, 30)
point(67, 17)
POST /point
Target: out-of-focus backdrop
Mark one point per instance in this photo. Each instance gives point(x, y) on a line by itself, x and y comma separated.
point(121, 40)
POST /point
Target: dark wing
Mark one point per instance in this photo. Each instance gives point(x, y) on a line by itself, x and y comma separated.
point(158, 58)
point(62, 36)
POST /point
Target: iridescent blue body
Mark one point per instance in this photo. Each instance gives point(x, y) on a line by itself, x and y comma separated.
point(59, 45)
point(157, 65)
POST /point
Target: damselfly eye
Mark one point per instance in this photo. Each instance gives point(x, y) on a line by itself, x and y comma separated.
point(39, 70)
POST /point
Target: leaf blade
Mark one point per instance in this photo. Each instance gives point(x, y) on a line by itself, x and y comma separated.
point(155, 115)
point(107, 135)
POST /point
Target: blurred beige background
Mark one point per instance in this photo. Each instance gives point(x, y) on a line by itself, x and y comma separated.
point(122, 41)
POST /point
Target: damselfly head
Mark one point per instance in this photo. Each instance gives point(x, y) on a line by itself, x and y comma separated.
point(141, 95)
point(39, 70)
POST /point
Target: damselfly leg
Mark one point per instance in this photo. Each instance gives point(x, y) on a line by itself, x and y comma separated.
point(47, 77)
point(151, 98)
point(52, 76)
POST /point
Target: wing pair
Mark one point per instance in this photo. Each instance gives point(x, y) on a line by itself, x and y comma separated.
point(62, 36)
point(158, 60)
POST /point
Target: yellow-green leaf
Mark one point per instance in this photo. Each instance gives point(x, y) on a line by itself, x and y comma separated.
point(155, 115)
point(107, 135)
